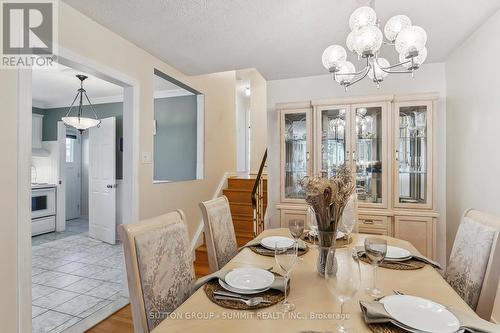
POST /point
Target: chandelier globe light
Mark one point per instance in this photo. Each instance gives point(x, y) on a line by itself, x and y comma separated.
point(79, 121)
point(366, 41)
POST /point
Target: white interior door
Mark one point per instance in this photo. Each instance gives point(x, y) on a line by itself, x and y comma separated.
point(73, 173)
point(61, 177)
point(102, 181)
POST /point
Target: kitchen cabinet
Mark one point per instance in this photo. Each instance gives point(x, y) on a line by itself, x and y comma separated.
point(36, 129)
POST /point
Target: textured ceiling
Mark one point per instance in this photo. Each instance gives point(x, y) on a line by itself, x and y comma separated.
point(281, 38)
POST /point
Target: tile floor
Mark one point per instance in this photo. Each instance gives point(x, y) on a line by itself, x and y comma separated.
point(75, 280)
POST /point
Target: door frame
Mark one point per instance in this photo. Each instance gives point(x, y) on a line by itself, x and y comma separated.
point(131, 90)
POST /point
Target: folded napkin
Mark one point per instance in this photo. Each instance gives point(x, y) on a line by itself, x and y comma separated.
point(256, 242)
point(278, 284)
point(374, 313)
point(360, 250)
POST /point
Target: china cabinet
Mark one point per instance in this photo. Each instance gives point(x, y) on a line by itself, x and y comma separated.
point(388, 143)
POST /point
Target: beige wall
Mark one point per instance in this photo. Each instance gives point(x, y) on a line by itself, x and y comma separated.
point(429, 78)
point(473, 104)
point(78, 34)
point(258, 119)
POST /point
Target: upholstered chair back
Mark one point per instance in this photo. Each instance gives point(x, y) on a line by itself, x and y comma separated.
point(474, 265)
point(159, 265)
point(219, 232)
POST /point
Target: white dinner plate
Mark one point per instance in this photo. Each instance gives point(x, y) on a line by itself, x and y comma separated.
point(421, 314)
point(280, 242)
point(314, 232)
point(240, 291)
point(249, 278)
point(395, 253)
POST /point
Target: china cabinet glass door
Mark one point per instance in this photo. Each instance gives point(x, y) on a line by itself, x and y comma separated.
point(296, 145)
point(369, 130)
point(413, 154)
point(333, 135)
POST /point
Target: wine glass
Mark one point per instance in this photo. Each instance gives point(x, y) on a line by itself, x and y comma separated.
point(347, 226)
point(286, 260)
point(343, 278)
point(375, 249)
point(296, 228)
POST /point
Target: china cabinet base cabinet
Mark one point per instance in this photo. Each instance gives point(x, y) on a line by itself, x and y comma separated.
point(388, 141)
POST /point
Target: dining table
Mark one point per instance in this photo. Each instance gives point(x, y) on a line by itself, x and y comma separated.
point(316, 309)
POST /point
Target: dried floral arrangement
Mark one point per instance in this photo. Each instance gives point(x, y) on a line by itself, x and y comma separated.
point(329, 196)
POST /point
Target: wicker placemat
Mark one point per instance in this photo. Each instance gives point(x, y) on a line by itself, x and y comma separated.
point(386, 328)
point(407, 265)
point(342, 242)
point(272, 295)
point(270, 253)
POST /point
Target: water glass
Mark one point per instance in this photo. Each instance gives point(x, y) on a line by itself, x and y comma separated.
point(347, 226)
point(343, 278)
point(286, 260)
point(375, 250)
point(296, 228)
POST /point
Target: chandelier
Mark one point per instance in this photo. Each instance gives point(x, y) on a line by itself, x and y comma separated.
point(78, 121)
point(366, 39)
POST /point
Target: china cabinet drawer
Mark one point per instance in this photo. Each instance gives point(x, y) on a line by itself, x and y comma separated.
point(373, 221)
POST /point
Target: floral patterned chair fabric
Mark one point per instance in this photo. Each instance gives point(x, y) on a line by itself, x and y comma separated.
point(219, 232)
point(159, 268)
point(471, 266)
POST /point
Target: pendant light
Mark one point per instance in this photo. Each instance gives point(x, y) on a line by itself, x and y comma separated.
point(79, 121)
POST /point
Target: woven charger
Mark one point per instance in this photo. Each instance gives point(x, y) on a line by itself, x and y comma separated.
point(342, 242)
point(270, 253)
point(272, 295)
point(386, 328)
point(407, 265)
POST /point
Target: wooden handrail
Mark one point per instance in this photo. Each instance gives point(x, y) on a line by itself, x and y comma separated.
point(258, 199)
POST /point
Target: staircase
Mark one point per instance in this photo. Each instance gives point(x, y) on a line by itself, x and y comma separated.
point(238, 192)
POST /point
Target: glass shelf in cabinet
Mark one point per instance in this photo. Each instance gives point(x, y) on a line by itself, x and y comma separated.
point(413, 172)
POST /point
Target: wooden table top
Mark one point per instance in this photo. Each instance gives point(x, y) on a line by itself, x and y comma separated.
point(316, 307)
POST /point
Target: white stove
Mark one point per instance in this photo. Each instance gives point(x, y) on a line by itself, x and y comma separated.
point(43, 208)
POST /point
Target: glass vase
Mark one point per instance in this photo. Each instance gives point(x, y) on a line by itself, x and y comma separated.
point(326, 240)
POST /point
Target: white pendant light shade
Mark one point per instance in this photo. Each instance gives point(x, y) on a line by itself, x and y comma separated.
point(345, 67)
point(350, 41)
point(362, 17)
point(417, 61)
point(368, 40)
point(332, 56)
point(394, 26)
point(80, 123)
point(379, 74)
point(411, 39)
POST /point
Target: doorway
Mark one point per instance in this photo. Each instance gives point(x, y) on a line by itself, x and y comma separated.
point(78, 276)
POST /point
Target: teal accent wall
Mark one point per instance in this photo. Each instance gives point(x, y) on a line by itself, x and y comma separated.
point(175, 141)
point(52, 116)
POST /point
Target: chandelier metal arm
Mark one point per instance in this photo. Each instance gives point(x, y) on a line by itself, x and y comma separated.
point(91, 106)
point(387, 69)
point(367, 69)
point(72, 104)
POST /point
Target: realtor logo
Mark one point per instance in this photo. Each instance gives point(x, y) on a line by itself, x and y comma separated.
point(28, 33)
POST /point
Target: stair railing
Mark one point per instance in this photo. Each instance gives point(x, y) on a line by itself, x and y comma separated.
point(258, 199)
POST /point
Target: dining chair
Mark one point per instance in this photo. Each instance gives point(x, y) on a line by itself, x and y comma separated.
point(219, 232)
point(159, 266)
point(474, 265)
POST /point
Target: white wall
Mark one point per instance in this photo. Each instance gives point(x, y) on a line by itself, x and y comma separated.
point(258, 127)
point(473, 105)
point(430, 78)
point(242, 123)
